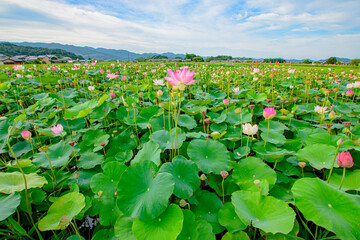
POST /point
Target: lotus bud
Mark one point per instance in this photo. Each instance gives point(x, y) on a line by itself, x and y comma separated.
point(74, 133)
point(344, 159)
point(215, 135)
point(100, 193)
point(257, 182)
point(224, 174)
point(340, 142)
point(182, 203)
point(332, 114)
point(203, 177)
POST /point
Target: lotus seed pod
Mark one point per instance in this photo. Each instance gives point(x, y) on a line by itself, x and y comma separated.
point(64, 221)
point(302, 164)
point(257, 182)
point(203, 177)
point(224, 174)
point(182, 203)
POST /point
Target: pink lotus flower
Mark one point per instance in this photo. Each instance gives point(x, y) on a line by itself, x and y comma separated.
point(349, 93)
point(26, 134)
point(269, 113)
point(344, 159)
point(75, 68)
point(180, 78)
point(102, 71)
point(123, 78)
point(159, 93)
point(112, 95)
point(57, 129)
point(226, 101)
point(18, 67)
point(320, 109)
point(112, 76)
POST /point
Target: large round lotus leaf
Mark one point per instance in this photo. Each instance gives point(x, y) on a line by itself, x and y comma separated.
point(8, 204)
point(207, 209)
point(264, 212)
point(328, 207)
point(167, 226)
point(228, 218)
point(279, 236)
point(123, 228)
point(68, 205)
point(14, 182)
point(195, 229)
point(58, 153)
point(236, 236)
point(143, 193)
point(90, 160)
point(210, 156)
point(319, 155)
point(249, 169)
point(186, 176)
point(149, 152)
point(106, 182)
point(162, 137)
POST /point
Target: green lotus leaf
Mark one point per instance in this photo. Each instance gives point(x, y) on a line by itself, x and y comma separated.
point(90, 160)
point(264, 212)
point(236, 236)
point(8, 204)
point(14, 182)
point(210, 155)
point(187, 121)
point(207, 209)
point(185, 175)
point(164, 227)
point(351, 180)
point(319, 155)
point(149, 152)
point(58, 153)
point(162, 137)
point(228, 218)
point(66, 206)
point(123, 228)
point(195, 229)
point(249, 169)
point(105, 183)
point(328, 207)
point(143, 193)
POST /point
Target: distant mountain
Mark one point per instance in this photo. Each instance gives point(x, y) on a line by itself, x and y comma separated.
point(98, 53)
point(7, 48)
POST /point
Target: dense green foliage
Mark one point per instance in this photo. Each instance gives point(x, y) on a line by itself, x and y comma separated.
point(12, 50)
point(274, 60)
point(331, 60)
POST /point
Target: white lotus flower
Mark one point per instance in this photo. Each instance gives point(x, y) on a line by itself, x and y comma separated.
point(248, 129)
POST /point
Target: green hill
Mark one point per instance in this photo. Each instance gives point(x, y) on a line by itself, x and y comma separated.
point(10, 49)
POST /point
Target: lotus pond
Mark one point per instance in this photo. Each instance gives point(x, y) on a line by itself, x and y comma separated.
point(179, 151)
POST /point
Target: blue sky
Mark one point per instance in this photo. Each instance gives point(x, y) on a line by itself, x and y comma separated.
point(251, 28)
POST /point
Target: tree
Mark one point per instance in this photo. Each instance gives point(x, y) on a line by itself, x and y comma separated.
point(198, 59)
point(331, 60)
point(355, 62)
point(190, 56)
point(306, 61)
point(178, 57)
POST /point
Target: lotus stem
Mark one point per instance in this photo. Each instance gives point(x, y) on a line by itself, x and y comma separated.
point(343, 177)
point(332, 165)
